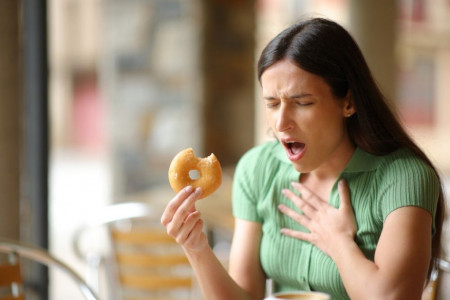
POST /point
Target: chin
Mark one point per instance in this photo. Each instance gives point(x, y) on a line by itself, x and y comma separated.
point(301, 168)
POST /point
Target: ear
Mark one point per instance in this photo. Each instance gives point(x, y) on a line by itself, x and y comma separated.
point(348, 108)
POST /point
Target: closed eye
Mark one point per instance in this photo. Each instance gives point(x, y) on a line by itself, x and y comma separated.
point(271, 104)
point(304, 103)
point(303, 99)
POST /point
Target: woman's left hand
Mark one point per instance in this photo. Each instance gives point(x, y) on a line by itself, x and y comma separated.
point(327, 225)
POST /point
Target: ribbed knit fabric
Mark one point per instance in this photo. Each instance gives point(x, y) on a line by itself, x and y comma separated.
point(378, 185)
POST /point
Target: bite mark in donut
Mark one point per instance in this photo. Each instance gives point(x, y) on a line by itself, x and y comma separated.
point(209, 169)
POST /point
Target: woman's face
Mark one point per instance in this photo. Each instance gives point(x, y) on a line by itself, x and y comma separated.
point(305, 117)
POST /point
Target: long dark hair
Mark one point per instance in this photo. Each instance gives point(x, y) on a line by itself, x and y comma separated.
point(324, 48)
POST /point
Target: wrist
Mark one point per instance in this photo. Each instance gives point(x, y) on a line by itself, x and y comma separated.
point(342, 246)
point(198, 249)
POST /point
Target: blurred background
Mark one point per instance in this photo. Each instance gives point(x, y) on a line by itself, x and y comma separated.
point(99, 95)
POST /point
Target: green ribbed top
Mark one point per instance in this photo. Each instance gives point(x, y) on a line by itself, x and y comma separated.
point(378, 185)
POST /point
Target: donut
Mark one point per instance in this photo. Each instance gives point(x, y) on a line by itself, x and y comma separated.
point(209, 169)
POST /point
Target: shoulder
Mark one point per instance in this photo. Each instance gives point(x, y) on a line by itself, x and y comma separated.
point(403, 163)
point(250, 179)
point(407, 180)
point(400, 176)
point(260, 156)
point(258, 165)
point(396, 162)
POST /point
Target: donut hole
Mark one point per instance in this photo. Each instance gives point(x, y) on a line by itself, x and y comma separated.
point(194, 174)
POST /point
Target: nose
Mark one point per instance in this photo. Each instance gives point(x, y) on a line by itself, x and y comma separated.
point(284, 121)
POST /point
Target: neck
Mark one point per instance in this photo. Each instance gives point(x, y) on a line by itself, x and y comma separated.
point(333, 167)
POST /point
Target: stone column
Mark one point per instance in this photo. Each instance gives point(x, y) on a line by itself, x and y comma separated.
point(373, 25)
point(227, 55)
point(10, 118)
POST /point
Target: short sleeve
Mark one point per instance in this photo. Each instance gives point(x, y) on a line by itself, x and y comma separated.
point(408, 181)
point(244, 193)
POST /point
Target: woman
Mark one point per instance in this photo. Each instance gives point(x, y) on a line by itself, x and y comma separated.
point(343, 202)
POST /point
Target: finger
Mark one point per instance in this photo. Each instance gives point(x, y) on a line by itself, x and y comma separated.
point(299, 202)
point(185, 208)
point(176, 228)
point(297, 234)
point(308, 196)
point(187, 227)
point(173, 205)
point(194, 235)
point(299, 218)
point(344, 195)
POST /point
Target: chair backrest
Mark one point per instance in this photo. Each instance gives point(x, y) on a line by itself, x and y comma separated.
point(150, 264)
point(10, 273)
point(439, 286)
point(11, 279)
point(143, 261)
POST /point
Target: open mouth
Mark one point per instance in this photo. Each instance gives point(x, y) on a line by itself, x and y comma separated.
point(294, 150)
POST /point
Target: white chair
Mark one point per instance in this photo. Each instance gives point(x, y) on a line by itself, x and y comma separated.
point(142, 261)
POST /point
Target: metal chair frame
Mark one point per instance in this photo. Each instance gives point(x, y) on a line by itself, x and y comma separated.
point(42, 256)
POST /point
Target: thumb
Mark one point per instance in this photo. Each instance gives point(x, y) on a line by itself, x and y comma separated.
point(344, 195)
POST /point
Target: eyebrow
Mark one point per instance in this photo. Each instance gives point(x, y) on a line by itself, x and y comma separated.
point(295, 96)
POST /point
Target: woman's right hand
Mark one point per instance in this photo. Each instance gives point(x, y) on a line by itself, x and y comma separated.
point(183, 221)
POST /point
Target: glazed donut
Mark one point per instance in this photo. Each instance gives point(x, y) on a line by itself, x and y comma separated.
point(210, 172)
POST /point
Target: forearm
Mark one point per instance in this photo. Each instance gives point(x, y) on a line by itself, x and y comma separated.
point(356, 271)
point(364, 279)
point(214, 280)
point(184, 224)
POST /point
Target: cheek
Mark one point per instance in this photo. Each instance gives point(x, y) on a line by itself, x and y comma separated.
point(271, 117)
point(328, 126)
point(335, 132)
point(334, 117)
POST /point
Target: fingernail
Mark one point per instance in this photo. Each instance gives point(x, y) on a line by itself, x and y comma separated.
point(281, 207)
point(189, 188)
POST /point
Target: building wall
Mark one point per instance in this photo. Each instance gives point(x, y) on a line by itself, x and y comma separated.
point(423, 53)
point(10, 118)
